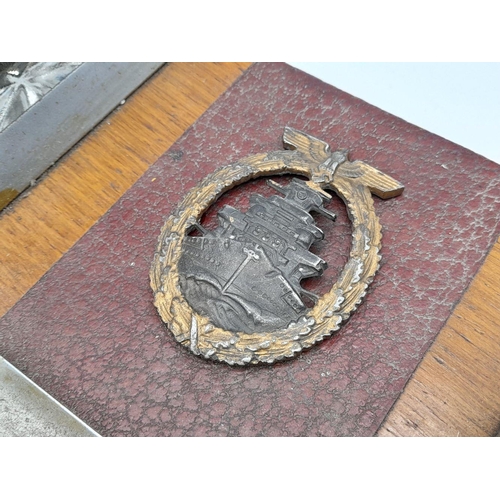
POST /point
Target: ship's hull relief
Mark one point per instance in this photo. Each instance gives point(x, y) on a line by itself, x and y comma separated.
point(245, 275)
point(233, 283)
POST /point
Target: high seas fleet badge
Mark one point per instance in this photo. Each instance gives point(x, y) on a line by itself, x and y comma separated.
point(234, 293)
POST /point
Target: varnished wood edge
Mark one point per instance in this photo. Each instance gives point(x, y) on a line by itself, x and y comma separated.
point(455, 390)
point(18, 227)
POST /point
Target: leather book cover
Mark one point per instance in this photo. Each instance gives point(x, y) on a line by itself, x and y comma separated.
point(89, 334)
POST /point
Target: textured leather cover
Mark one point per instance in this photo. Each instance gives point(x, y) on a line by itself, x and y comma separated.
point(90, 335)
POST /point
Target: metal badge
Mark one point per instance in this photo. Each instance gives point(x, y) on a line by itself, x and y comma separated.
point(234, 294)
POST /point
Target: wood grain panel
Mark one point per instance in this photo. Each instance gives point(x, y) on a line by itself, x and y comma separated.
point(456, 389)
point(37, 229)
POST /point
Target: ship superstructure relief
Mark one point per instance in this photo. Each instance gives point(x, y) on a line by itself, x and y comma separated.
point(234, 293)
point(245, 275)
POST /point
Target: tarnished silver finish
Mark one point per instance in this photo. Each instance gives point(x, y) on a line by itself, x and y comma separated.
point(22, 84)
point(245, 275)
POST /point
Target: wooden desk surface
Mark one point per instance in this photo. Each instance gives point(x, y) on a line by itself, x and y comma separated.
point(454, 392)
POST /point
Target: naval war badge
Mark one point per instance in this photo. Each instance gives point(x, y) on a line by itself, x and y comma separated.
point(234, 294)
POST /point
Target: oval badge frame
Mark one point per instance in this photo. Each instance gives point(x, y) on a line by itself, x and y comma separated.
point(307, 156)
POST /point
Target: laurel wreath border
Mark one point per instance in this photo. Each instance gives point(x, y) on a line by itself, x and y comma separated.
point(236, 348)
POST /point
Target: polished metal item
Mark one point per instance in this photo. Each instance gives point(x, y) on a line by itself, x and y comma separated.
point(45, 108)
point(26, 410)
point(24, 84)
point(233, 294)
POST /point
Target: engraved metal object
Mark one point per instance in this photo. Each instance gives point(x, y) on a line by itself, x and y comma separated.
point(233, 294)
point(24, 84)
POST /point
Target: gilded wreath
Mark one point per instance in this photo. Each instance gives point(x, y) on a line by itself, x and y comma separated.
point(187, 270)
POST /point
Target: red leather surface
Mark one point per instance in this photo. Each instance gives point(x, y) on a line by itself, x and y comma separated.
point(90, 335)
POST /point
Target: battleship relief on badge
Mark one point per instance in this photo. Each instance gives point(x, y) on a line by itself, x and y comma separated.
point(234, 294)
